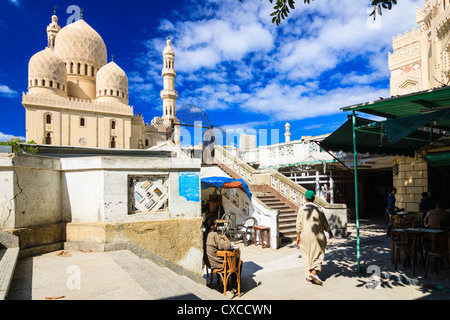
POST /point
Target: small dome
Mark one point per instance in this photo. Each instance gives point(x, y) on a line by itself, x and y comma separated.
point(45, 65)
point(112, 81)
point(168, 49)
point(80, 43)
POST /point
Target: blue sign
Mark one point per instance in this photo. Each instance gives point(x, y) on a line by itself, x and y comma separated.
point(189, 186)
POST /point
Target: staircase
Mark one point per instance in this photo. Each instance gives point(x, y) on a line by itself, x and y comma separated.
point(287, 217)
point(271, 198)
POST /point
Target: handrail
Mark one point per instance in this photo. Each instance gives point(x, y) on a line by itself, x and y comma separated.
point(285, 186)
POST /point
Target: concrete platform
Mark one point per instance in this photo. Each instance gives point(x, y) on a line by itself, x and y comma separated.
point(267, 275)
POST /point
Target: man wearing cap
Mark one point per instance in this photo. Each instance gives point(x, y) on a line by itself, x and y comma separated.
point(311, 226)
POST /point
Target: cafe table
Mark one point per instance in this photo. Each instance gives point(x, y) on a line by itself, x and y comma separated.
point(431, 234)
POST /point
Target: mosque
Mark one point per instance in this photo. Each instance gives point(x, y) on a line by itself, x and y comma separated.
point(76, 98)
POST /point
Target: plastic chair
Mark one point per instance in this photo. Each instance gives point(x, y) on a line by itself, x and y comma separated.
point(230, 227)
point(246, 228)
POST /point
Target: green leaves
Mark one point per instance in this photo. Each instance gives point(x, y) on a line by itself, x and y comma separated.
point(18, 147)
point(282, 8)
point(378, 4)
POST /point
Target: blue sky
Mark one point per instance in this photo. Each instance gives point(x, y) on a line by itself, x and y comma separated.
point(231, 61)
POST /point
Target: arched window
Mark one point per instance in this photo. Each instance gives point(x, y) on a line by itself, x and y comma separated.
point(82, 122)
point(93, 71)
point(43, 83)
point(79, 68)
point(57, 85)
point(48, 138)
point(71, 67)
point(51, 84)
point(113, 143)
point(48, 119)
point(86, 69)
point(36, 82)
point(113, 125)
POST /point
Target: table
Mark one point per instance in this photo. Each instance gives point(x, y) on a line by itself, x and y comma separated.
point(262, 230)
point(431, 234)
point(404, 219)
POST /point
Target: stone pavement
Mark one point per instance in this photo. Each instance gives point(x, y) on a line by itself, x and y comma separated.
point(267, 275)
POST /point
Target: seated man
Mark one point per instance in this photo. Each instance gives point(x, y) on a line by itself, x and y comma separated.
point(437, 217)
point(214, 243)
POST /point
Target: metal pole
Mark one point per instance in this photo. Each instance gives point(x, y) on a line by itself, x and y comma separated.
point(355, 156)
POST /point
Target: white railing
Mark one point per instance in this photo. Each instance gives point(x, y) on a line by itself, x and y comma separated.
point(281, 184)
point(288, 153)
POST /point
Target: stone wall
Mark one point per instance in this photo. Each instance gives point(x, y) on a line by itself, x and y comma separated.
point(410, 181)
point(53, 203)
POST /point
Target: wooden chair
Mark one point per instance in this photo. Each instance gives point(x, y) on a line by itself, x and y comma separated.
point(413, 244)
point(438, 253)
point(397, 237)
point(232, 264)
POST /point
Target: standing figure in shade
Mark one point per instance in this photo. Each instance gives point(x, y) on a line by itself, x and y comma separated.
point(425, 204)
point(392, 209)
point(311, 226)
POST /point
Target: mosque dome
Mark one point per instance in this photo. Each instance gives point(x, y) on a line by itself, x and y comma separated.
point(112, 82)
point(81, 47)
point(47, 70)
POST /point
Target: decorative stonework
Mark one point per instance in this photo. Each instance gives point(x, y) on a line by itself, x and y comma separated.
point(148, 194)
point(113, 81)
point(45, 65)
point(80, 43)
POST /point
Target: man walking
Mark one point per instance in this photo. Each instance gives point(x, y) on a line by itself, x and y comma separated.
point(311, 239)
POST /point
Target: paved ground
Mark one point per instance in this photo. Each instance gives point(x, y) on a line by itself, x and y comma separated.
point(267, 275)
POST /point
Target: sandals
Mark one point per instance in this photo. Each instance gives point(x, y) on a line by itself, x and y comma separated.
point(315, 279)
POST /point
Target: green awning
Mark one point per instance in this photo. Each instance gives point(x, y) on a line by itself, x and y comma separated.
point(371, 138)
point(438, 159)
point(415, 104)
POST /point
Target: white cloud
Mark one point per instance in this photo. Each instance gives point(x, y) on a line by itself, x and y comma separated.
point(7, 137)
point(229, 56)
point(15, 2)
point(5, 91)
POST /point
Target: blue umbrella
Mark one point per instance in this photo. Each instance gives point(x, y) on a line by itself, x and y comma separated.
point(224, 182)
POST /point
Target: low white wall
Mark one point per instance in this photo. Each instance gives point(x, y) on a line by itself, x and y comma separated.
point(96, 188)
point(29, 191)
point(38, 190)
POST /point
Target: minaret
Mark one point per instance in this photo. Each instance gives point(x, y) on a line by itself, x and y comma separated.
point(287, 135)
point(52, 30)
point(168, 94)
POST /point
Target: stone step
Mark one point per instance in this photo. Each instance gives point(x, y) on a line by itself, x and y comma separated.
point(163, 283)
point(287, 221)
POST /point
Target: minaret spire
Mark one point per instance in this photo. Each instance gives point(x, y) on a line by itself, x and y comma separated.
point(53, 29)
point(168, 94)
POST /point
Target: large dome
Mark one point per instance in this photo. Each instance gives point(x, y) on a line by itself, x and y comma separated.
point(112, 81)
point(79, 43)
point(45, 69)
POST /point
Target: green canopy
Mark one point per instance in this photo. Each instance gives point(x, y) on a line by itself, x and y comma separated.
point(372, 138)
